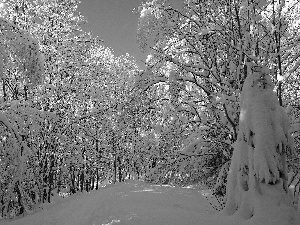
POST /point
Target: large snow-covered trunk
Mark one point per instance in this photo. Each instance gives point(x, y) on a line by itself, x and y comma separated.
point(257, 179)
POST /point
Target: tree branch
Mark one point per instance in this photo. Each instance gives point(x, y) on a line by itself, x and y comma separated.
point(230, 121)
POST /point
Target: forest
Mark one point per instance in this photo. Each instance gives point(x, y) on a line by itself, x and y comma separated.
point(73, 115)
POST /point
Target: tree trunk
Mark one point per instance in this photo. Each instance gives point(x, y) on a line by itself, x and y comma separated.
point(20, 198)
point(72, 187)
point(81, 180)
point(78, 181)
point(119, 169)
point(25, 92)
point(4, 90)
point(115, 169)
point(97, 183)
point(92, 180)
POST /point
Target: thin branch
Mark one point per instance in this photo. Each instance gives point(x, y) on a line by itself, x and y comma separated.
point(230, 121)
point(190, 155)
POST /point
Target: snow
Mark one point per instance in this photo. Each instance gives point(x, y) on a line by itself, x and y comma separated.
point(145, 12)
point(269, 123)
point(257, 190)
point(127, 203)
point(190, 148)
point(137, 203)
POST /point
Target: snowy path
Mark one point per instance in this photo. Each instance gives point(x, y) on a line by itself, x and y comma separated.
point(132, 203)
point(138, 203)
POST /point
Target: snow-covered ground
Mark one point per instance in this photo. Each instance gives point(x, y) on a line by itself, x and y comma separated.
point(135, 203)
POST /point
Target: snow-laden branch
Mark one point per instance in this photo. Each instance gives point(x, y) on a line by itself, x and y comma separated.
point(197, 155)
point(11, 128)
point(153, 82)
point(295, 128)
point(21, 151)
point(24, 49)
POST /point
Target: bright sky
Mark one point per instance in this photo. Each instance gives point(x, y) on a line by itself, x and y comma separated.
point(114, 22)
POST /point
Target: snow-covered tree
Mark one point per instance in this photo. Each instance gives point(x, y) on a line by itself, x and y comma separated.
point(210, 44)
point(21, 56)
point(64, 121)
point(257, 178)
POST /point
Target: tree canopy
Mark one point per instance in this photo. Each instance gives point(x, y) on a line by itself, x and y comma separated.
point(73, 115)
